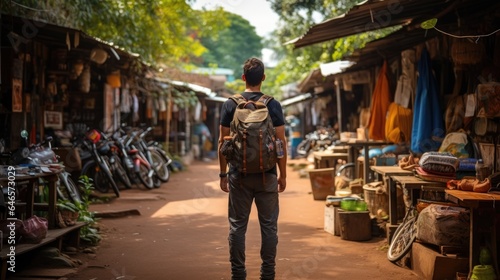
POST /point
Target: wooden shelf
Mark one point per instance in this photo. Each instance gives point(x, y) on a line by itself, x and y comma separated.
point(53, 236)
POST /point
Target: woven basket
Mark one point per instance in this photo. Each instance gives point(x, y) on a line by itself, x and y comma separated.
point(465, 52)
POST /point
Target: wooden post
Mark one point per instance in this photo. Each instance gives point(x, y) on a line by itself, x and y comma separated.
point(339, 105)
point(168, 119)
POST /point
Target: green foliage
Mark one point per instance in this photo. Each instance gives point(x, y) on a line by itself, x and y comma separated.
point(237, 85)
point(297, 17)
point(232, 45)
point(161, 32)
point(89, 232)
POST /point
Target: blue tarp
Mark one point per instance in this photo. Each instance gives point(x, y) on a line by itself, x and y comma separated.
point(428, 125)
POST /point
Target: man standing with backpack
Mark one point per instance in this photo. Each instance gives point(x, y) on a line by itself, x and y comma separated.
point(252, 149)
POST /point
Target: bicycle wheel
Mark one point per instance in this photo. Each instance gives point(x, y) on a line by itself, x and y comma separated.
point(69, 188)
point(104, 165)
point(160, 166)
point(99, 180)
point(403, 238)
point(347, 171)
point(156, 181)
point(144, 176)
point(120, 173)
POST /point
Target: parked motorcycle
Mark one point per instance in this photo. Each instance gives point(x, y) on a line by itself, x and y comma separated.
point(137, 167)
point(156, 157)
point(95, 163)
point(42, 155)
point(318, 140)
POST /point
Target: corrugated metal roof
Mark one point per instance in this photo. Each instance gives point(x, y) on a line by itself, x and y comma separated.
point(374, 52)
point(296, 99)
point(376, 14)
point(59, 36)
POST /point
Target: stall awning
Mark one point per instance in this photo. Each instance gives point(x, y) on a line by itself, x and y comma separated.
point(196, 88)
point(219, 99)
point(296, 99)
point(377, 14)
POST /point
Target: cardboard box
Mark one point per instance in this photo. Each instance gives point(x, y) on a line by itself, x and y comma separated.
point(331, 224)
point(430, 264)
point(322, 182)
point(329, 219)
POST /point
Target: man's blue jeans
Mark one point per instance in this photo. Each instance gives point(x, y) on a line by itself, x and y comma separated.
point(243, 189)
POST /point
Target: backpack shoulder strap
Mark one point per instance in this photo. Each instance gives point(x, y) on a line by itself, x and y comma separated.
point(238, 98)
point(265, 99)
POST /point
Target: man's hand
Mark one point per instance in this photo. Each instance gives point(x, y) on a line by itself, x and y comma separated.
point(224, 184)
point(281, 184)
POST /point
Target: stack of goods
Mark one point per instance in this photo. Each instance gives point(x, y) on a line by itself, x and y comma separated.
point(437, 166)
point(466, 167)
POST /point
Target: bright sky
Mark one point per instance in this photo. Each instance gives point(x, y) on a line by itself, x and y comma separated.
point(257, 12)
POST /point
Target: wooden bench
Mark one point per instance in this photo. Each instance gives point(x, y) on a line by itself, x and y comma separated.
point(54, 238)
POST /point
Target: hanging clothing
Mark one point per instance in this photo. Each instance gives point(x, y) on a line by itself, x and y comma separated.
point(149, 107)
point(197, 112)
point(163, 104)
point(380, 105)
point(428, 124)
point(398, 124)
point(135, 107)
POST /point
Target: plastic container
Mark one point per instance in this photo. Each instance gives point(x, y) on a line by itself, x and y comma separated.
point(353, 204)
point(483, 272)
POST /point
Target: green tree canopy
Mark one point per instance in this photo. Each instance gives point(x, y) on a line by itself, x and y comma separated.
point(232, 45)
point(161, 32)
point(297, 17)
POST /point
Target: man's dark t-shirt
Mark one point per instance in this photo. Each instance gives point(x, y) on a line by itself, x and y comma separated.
point(273, 106)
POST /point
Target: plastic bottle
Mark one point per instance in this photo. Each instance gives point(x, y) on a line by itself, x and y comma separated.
point(279, 148)
point(479, 169)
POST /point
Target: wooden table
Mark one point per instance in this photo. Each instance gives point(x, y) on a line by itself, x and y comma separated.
point(415, 185)
point(32, 181)
point(388, 172)
point(366, 148)
point(483, 212)
point(327, 159)
point(339, 149)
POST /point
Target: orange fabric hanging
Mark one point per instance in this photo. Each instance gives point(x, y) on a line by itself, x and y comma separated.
point(380, 105)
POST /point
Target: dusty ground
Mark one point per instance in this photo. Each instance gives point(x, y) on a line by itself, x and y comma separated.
point(181, 233)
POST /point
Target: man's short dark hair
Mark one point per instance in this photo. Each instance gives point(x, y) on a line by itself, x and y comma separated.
point(253, 69)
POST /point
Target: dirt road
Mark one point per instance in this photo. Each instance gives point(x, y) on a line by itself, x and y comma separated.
point(182, 234)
